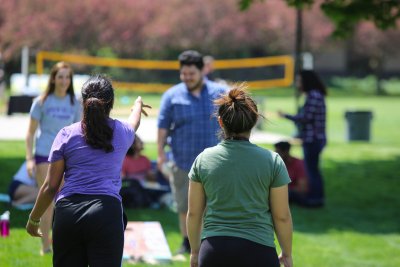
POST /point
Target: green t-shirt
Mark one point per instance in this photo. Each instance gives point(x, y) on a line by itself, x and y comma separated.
point(237, 177)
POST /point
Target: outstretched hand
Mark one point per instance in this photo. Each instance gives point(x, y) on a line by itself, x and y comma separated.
point(143, 105)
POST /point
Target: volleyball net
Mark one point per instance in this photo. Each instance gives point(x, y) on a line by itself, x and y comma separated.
point(159, 75)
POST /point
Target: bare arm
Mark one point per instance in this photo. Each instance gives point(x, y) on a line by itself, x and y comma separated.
point(30, 162)
point(136, 113)
point(46, 195)
point(279, 202)
point(306, 115)
point(161, 141)
point(197, 204)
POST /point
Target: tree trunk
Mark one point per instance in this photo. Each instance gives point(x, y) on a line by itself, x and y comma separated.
point(376, 65)
point(298, 50)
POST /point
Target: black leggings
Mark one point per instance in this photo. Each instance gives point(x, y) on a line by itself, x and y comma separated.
point(234, 251)
point(88, 230)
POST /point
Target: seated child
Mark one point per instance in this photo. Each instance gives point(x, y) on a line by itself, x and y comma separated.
point(135, 165)
point(23, 188)
point(140, 181)
point(298, 188)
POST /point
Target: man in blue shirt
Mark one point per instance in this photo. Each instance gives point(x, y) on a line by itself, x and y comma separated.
point(186, 118)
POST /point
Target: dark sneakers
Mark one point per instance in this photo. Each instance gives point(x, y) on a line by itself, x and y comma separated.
point(185, 247)
point(182, 250)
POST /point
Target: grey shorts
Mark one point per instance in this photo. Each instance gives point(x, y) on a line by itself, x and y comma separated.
point(180, 188)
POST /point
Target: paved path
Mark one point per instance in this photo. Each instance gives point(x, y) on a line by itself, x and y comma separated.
point(14, 127)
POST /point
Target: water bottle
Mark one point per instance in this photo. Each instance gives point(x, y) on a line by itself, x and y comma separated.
point(5, 224)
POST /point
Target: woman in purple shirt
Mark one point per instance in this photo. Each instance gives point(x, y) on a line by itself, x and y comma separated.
point(311, 120)
point(88, 224)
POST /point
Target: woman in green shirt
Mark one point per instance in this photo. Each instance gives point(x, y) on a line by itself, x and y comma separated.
point(238, 195)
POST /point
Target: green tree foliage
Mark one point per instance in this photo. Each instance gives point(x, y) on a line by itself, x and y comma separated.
point(368, 48)
point(346, 14)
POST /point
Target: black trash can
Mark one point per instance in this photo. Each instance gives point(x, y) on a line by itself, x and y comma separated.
point(19, 104)
point(358, 125)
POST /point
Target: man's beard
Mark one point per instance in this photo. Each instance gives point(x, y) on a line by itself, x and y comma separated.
point(196, 86)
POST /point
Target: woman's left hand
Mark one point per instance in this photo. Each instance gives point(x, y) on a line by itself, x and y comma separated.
point(194, 260)
point(281, 114)
point(33, 230)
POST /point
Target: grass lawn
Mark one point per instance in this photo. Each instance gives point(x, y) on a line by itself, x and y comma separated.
point(359, 226)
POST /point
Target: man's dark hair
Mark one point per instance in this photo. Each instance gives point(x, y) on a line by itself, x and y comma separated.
point(191, 57)
point(283, 146)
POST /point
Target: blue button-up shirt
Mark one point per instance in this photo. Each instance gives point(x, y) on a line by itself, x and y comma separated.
point(312, 118)
point(190, 120)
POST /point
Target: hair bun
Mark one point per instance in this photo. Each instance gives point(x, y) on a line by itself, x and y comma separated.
point(233, 96)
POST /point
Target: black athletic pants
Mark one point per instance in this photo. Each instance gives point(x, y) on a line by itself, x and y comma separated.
point(88, 230)
point(235, 252)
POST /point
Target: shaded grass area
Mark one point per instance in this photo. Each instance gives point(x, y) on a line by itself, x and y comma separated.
point(360, 199)
point(359, 225)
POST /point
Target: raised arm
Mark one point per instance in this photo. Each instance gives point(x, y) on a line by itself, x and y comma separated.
point(136, 113)
point(307, 112)
point(282, 219)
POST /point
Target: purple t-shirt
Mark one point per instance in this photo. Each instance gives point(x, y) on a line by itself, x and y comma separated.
point(91, 171)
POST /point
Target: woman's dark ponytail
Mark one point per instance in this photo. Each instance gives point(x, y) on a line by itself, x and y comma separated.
point(98, 98)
